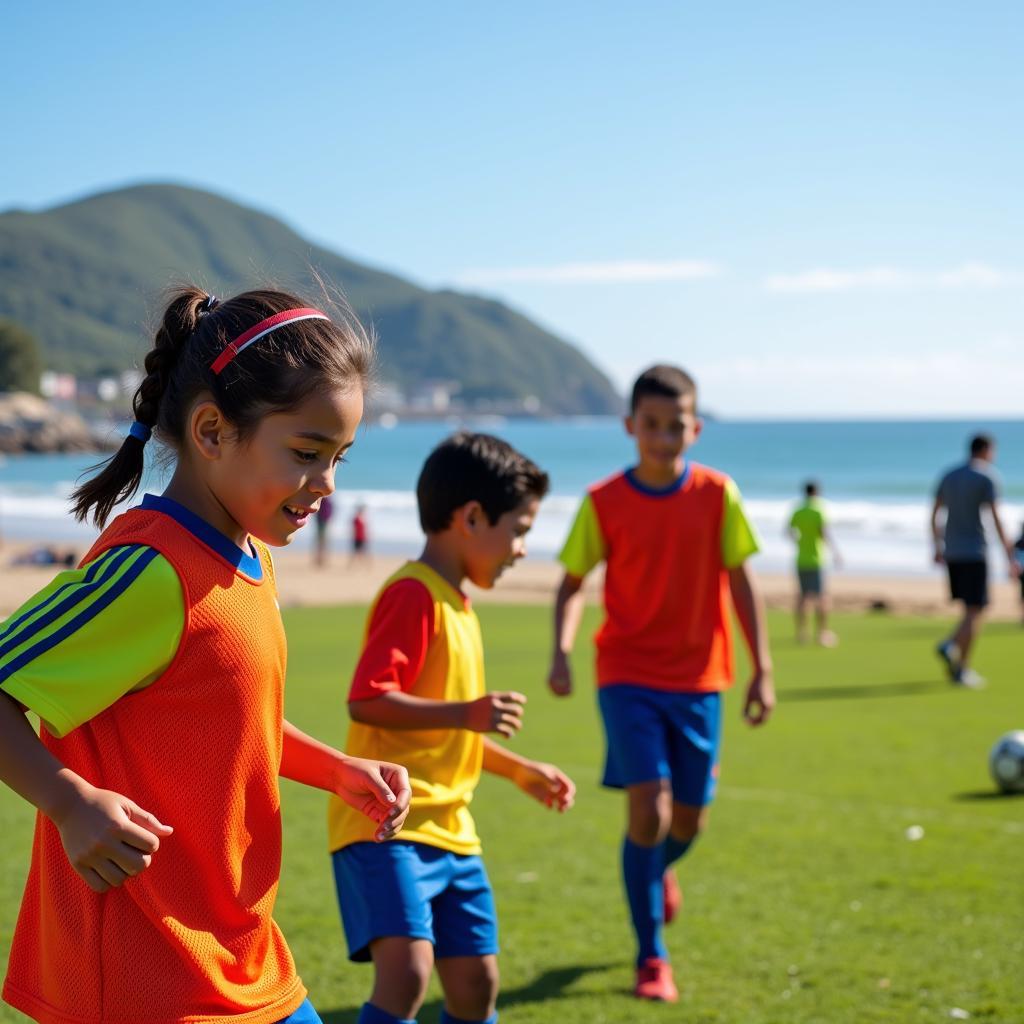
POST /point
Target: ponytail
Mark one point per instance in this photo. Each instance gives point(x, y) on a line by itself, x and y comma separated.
point(120, 475)
point(299, 356)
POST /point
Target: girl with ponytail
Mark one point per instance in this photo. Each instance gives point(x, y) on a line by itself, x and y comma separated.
point(157, 670)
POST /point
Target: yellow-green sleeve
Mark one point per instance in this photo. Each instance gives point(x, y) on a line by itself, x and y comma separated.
point(739, 539)
point(585, 546)
point(93, 635)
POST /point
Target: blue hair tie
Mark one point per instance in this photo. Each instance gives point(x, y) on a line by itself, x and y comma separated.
point(140, 431)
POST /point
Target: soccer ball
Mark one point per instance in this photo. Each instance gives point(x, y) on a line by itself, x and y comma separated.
point(1006, 762)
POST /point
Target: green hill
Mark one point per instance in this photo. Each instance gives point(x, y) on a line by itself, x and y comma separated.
point(86, 279)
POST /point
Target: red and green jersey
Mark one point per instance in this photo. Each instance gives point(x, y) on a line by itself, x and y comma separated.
point(666, 587)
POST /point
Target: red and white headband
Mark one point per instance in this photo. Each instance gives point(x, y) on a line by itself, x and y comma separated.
point(263, 328)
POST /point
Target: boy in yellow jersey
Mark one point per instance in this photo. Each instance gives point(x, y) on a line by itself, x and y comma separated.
point(418, 693)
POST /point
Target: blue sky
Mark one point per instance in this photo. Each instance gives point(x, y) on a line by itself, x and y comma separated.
point(816, 208)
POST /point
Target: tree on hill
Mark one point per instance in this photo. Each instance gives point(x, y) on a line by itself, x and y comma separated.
point(20, 363)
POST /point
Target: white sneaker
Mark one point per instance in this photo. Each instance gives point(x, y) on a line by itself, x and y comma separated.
point(968, 678)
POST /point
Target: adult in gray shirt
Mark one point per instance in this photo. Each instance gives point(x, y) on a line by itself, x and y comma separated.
point(960, 544)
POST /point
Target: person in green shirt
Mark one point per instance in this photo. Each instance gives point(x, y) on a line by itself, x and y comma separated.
point(808, 527)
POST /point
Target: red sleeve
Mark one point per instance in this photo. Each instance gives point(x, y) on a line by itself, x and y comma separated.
point(396, 643)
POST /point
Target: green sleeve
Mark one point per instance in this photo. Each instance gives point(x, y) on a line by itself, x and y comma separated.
point(585, 546)
point(92, 635)
point(739, 539)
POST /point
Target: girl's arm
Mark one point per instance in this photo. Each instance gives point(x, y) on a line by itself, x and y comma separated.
point(568, 613)
point(378, 789)
point(544, 782)
point(107, 837)
point(760, 698)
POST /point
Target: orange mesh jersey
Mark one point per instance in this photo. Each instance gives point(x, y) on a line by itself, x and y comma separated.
point(191, 938)
point(666, 587)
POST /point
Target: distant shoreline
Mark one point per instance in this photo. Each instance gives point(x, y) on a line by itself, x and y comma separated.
point(534, 582)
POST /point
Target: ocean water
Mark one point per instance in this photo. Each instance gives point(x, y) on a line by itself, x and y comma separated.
point(877, 479)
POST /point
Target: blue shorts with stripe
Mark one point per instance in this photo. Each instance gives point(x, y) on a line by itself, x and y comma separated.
point(657, 734)
point(415, 891)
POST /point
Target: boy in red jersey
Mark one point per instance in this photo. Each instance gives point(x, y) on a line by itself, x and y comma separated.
point(675, 540)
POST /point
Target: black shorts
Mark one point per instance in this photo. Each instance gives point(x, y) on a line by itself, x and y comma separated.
point(811, 582)
point(968, 582)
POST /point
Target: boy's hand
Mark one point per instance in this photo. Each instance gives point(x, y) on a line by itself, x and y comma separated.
point(378, 789)
point(497, 712)
point(760, 698)
point(546, 783)
point(560, 676)
point(107, 837)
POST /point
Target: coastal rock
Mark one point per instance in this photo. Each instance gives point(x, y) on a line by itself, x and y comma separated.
point(31, 424)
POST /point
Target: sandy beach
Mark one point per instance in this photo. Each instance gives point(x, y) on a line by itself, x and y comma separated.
point(534, 581)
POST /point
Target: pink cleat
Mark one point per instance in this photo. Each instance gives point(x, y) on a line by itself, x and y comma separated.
point(654, 981)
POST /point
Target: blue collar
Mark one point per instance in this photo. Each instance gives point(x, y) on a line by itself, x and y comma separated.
point(659, 492)
point(248, 564)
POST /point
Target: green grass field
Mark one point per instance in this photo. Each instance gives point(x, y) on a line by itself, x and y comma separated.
point(805, 901)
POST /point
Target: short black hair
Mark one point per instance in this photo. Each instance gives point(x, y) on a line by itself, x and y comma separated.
point(981, 443)
point(811, 488)
point(475, 467)
point(664, 381)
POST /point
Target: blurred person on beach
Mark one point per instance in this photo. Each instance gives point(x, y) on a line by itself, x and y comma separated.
point(960, 545)
point(46, 555)
point(1018, 549)
point(360, 536)
point(418, 693)
point(675, 541)
point(157, 669)
point(320, 540)
point(808, 528)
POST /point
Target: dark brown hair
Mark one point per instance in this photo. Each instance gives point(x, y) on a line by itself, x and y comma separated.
point(664, 381)
point(475, 467)
point(981, 443)
point(275, 374)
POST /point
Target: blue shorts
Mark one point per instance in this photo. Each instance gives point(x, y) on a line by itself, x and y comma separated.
point(305, 1014)
point(416, 891)
point(655, 734)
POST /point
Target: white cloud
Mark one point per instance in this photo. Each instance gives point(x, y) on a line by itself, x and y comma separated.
point(967, 275)
point(620, 272)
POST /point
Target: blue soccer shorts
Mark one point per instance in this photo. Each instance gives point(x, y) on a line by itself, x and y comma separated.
point(305, 1014)
point(657, 734)
point(417, 891)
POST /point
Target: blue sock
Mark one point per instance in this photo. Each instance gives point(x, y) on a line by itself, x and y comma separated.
point(642, 868)
point(370, 1014)
point(447, 1018)
point(674, 849)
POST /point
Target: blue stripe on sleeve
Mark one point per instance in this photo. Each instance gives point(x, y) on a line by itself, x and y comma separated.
point(87, 615)
point(13, 638)
point(90, 574)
